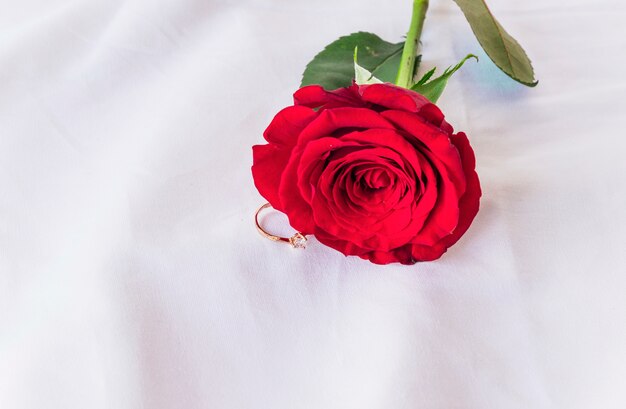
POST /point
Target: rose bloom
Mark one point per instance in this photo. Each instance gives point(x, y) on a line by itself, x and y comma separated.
point(370, 170)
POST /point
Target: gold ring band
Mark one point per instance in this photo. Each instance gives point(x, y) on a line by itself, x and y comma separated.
point(297, 241)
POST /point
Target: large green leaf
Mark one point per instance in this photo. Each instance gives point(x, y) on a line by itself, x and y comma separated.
point(434, 88)
point(503, 49)
point(333, 67)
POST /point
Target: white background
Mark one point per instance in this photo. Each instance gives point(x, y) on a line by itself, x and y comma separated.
point(131, 275)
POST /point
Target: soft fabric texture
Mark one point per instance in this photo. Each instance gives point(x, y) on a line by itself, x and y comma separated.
point(131, 274)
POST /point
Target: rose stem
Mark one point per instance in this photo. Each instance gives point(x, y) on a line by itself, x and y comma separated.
point(407, 62)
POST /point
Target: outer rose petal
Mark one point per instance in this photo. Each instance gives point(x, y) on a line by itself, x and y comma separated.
point(470, 202)
point(314, 96)
point(400, 255)
point(269, 161)
point(287, 125)
point(427, 253)
point(337, 119)
point(297, 209)
point(393, 97)
point(345, 247)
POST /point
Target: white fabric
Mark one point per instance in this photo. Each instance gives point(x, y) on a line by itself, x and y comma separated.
point(131, 275)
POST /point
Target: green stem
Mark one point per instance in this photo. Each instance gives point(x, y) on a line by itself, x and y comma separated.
point(407, 62)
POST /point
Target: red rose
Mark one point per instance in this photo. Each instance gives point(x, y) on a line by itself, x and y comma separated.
point(372, 171)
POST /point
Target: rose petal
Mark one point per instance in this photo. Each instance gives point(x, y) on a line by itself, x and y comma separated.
point(268, 164)
point(427, 253)
point(287, 125)
point(346, 247)
point(393, 97)
point(332, 120)
point(436, 142)
point(314, 96)
point(297, 209)
point(402, 255)
point(470, 201)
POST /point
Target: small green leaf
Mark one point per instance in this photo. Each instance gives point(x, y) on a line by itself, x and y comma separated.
point(503, 49)
point(426, 77)
point(361, 75)
point(434, 88)
point(334, 67)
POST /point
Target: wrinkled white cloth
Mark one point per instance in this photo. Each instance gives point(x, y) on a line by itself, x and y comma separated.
point(131, 275)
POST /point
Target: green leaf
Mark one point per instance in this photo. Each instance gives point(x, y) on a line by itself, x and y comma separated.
point(426, 76)
point(434, 88)
point(333, 67)
point(361, 75)
point(503, 49)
